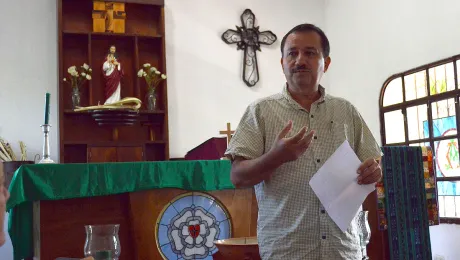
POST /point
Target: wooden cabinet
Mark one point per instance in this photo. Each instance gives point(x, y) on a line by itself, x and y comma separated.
point(102, 154)
point(81, 138)
point(115, 154)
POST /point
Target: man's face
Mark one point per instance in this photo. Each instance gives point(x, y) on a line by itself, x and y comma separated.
point(112, 49)
point(303, 61)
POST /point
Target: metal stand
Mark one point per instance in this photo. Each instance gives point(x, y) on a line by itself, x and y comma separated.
point(46, 145)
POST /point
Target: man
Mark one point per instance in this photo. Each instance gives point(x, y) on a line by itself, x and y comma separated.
point(281, 142)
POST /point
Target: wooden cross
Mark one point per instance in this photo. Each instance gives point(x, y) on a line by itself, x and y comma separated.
point(108, 16)
point(249, 39)
point(228, 132)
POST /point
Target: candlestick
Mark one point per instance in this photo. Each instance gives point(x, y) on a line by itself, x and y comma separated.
point(47, 108)
point(46, 145)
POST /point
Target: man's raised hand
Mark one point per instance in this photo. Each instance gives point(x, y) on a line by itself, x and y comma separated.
point(289, 149)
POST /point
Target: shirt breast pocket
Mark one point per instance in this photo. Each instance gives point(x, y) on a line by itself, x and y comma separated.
point(340, 133)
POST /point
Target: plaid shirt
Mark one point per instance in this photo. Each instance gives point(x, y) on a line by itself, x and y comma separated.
point(292, 224)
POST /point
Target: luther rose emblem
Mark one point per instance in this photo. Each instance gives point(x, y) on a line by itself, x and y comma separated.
point(189, 225)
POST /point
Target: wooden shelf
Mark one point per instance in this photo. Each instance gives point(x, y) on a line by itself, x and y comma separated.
point(71, 32)
point(142, 112)
point(114, 143)
point(71, 112)
point(142, 42)
point(147, 112)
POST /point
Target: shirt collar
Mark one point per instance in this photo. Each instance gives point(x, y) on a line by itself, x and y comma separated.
point(288, 96)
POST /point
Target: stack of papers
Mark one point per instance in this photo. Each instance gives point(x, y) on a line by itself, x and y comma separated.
point(337, 187)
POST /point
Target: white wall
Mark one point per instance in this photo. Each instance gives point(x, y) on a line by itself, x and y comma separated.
point(371, 40)
point(28, 42)
point(205, 89)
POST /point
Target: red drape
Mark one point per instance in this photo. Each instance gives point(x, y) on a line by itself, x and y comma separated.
point(111, 82)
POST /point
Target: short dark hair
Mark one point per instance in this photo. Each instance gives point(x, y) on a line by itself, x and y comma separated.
point(306, 27)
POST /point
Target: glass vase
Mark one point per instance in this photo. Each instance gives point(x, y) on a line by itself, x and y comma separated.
point(75, 97)
point(152, 102)
point(102, 242)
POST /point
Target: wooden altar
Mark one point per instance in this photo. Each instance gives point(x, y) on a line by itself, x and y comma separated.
point(145, 198)
point(62, 222)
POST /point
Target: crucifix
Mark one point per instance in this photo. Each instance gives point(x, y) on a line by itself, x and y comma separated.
point(249, 39)
point(228, 132)
point(108, 16)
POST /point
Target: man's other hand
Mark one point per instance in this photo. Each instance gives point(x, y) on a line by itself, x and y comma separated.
point(369, 172)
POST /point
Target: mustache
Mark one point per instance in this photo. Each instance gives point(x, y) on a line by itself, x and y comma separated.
point(302, 68)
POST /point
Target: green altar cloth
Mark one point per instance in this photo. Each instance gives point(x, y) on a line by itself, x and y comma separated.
point(37, 182)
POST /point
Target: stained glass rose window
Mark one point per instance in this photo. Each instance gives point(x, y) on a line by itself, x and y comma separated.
point(189, 225)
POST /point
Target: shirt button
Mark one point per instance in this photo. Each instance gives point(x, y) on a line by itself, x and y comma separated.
point(323, 211)
point(323, 237)
point(315, 137)
point(318, 160)
point(311, 116)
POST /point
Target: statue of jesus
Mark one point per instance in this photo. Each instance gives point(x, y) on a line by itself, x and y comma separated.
point(112, 75)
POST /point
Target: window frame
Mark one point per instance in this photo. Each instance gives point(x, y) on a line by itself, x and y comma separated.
point(427, 100)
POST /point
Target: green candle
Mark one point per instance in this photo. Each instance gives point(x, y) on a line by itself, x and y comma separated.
point(47, 108)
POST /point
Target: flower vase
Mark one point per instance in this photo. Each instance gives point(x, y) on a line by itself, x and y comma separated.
point(102, 242)
point(152, 102)
point(75, 97)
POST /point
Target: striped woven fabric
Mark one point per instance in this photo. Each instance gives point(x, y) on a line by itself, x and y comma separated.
point(430, 187)
point(403, 204)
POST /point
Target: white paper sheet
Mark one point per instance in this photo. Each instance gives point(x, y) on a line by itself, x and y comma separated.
point(337, 187)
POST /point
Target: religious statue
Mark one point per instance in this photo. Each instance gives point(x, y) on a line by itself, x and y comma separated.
point(112, 76)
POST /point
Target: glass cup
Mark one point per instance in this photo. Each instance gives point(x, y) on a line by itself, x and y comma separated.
point(102, 242)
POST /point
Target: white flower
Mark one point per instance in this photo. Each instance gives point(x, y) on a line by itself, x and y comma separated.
point(152, 69)
point(90, 70)
point(83, 74)
point(65, 79)
point(71, 69)
point(88, 77)
point(163, 76)
point(157, 72)
point(74, 73)
point(85, 66)
point(145, 74)
point(147, 65)
point(140, 73)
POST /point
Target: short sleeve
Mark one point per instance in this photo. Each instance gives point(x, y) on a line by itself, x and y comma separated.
point(248, 139)
point(365, 144)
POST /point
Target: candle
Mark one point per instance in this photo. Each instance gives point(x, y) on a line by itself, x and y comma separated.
point(47, 108)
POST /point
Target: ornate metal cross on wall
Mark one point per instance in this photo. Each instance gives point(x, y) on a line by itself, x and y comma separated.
point(249, 39)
